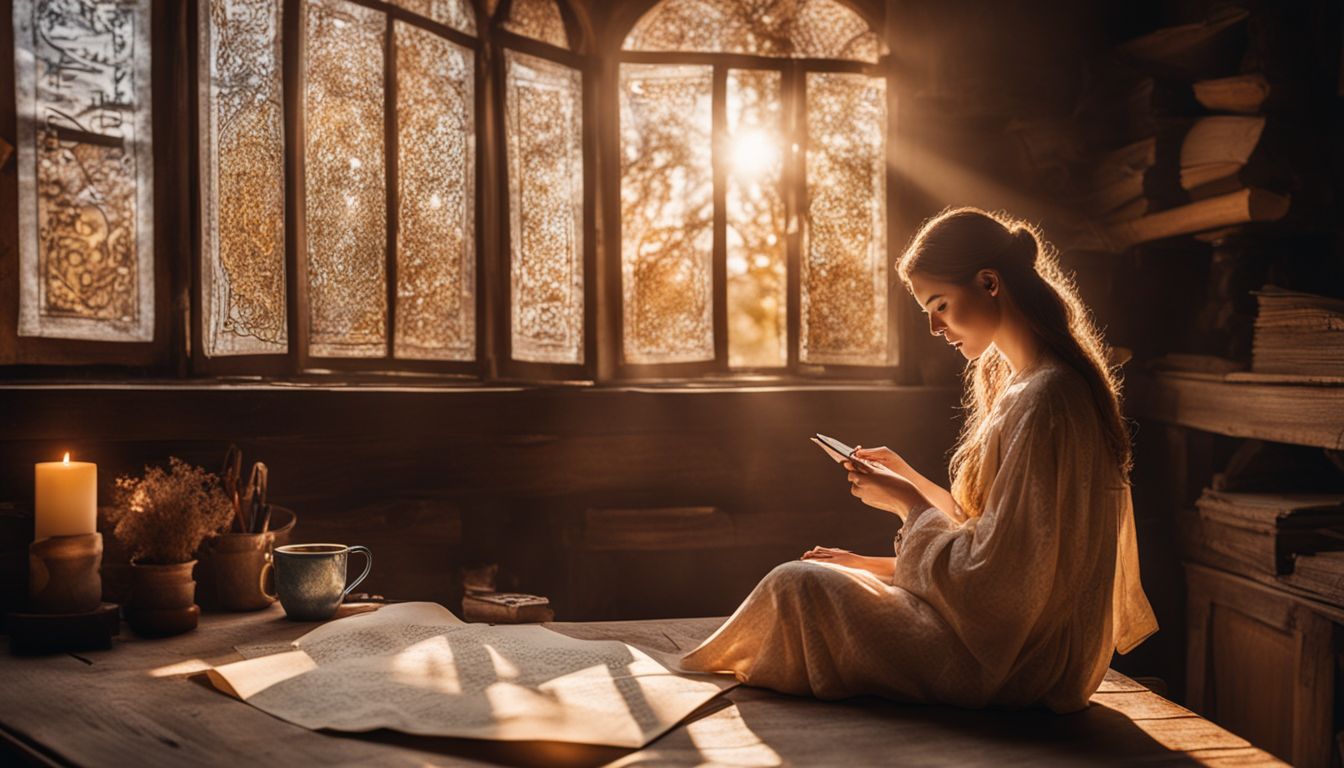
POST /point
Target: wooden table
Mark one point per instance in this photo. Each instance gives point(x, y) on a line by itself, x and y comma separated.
point(146, 703)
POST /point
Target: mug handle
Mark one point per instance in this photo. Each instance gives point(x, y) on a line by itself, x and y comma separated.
point(368, 566)
point(267, 569)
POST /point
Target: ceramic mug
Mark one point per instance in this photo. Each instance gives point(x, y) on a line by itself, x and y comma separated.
point(310, 578)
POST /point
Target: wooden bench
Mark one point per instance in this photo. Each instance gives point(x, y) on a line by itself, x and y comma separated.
point(146, 703)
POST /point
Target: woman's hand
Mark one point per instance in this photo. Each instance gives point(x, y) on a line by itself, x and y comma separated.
point(834, 555)
point(884, 456)
point(929, 491)
point(880, 488)
point(881, 567)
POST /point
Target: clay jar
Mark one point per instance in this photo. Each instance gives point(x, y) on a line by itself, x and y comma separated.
point(163, 599)
point(232, 569)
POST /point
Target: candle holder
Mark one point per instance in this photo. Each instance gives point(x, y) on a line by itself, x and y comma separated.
point(63, 574)
point(65, 608)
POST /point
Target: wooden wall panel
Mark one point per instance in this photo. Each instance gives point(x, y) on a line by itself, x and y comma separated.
point(435, 479)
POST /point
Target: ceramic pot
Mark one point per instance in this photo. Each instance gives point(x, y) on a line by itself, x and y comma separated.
point(163, 599)
point(231, 567)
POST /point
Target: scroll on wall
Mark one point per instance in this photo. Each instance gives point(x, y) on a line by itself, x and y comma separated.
point(86, 255)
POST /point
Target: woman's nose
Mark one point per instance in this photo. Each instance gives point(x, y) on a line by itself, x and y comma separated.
point(936, 326)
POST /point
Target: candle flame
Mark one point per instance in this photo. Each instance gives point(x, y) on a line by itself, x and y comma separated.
point(66, 461)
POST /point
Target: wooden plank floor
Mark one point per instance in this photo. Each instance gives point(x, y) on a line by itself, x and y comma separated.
point(145, 703)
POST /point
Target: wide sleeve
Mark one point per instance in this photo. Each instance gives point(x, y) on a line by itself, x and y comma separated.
point(991, 577)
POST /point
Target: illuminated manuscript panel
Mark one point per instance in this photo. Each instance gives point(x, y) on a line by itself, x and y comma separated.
point(544, 124)
point(85, 167)
point(539, 20)
point(242, 178)
point(456, 14)
point(667, 213)
point(844, 265)
point(757, 261)
point(818, 29)
point(436, 215)
point(344, 181)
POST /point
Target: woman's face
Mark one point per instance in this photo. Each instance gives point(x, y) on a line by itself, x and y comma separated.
point(967, 316)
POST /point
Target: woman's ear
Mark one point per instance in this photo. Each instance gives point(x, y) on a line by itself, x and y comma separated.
point(989, 281)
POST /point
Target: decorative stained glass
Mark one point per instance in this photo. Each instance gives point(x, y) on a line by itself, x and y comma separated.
point(757, 260)
point(667, 213)
point(457, 14)
point(242, 178)
point(86, 240)
point(436, 215)
point(800, 29)
point(346, 219)
point(544, 125)
point(539, 20)
point(844, 265)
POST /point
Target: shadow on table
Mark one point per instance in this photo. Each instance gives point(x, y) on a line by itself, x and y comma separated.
point(521, 754)
point(866, 728)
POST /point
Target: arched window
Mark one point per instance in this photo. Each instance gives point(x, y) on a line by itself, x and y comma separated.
point(753, 206)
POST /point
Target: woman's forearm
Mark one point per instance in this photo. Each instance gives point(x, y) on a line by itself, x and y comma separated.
point(937, 496)
point(883, 568)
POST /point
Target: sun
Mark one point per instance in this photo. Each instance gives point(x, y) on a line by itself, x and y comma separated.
point(754, 152)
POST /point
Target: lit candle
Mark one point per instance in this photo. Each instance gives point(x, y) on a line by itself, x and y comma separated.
point(65, 498)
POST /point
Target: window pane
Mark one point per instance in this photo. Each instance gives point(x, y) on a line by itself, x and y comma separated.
point(344, 186)
point(242, 178)
point(539, 20)
point(757, 262)
point(818, 29)
point(456, 14)
point(844, 265)
point(436, 215)
point(667, 213)
point(544, 122)
point(86, 240)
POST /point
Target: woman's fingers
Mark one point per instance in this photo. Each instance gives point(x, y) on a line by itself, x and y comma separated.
point(820, 552)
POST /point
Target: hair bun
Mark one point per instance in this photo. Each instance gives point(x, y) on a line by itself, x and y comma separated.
point(1025, 246)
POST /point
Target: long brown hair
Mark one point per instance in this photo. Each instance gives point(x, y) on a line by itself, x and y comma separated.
point(952, 247)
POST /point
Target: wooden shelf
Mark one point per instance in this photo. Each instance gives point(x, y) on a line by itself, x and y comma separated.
point(1301, 414)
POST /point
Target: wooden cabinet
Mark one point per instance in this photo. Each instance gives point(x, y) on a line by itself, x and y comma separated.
point(1261, 662)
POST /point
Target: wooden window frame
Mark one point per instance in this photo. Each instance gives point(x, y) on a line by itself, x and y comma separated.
point(297, 361)
point(794, 72)
point(177, 349)
point(499, 40)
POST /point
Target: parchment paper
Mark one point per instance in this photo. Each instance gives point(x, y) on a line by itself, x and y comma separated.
point(417, 668)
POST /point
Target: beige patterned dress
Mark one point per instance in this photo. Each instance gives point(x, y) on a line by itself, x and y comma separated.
point(1021, 606)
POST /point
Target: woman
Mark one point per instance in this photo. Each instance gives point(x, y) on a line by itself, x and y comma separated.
point(1014, 588)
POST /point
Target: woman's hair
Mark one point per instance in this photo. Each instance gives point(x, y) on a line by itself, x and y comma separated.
point(952, 247)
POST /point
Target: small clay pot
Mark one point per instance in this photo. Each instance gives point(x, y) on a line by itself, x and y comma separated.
point(163, 599)
point(232, 567)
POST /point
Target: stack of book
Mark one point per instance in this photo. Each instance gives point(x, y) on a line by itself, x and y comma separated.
point(1184, 161)
point(1320, 574)
point(1260, 535)
point(506, 608)
point(1298, 333)
point(1183, 168)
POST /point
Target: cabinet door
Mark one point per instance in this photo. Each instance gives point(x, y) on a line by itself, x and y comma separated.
point(1261, 664)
